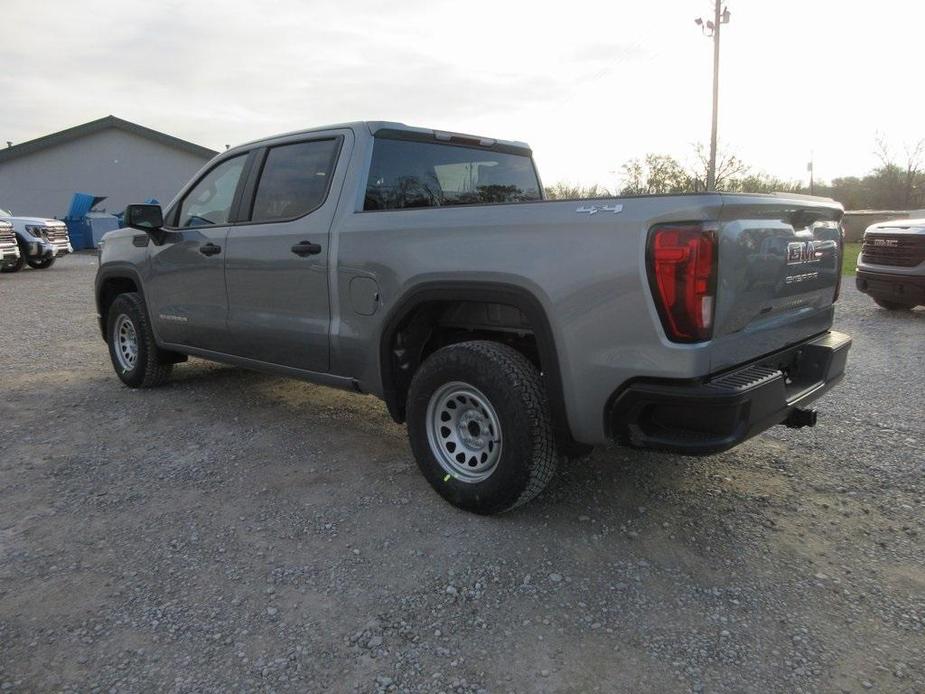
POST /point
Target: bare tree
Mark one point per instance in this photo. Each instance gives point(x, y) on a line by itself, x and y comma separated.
point(912, 184)
point(568, 191)
point(655, 174)
point(882, 150)
point(899, 185)
point(729, 168)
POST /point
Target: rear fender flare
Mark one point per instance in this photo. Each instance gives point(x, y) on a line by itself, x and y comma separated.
point(479, 291)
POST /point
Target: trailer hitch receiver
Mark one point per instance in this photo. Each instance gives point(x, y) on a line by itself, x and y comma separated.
point(800, 417)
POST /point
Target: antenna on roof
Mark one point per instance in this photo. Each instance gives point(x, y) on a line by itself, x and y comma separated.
point(9, 144)
point(227, 147)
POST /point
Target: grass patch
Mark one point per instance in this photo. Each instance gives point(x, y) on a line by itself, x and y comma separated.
point(849, 260)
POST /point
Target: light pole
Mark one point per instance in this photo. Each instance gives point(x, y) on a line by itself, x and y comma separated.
point(809, 167)
point(711, 28)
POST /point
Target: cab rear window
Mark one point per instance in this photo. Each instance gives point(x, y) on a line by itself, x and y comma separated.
point(410, 174)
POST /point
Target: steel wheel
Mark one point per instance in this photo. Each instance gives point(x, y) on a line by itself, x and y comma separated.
point(126, 342)
point(464, 432)
point(479, 426)
point(135, 356)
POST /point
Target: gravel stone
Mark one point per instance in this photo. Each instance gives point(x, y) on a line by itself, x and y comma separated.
point(145, 532)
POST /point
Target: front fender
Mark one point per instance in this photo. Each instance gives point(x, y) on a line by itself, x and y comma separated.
point(33, 246)
point(113, 278)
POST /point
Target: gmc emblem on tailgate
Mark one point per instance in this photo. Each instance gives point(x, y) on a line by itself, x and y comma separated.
point(799, 252)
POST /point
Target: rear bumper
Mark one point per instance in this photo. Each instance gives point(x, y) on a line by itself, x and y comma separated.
point(713, 415)
point(892, 287)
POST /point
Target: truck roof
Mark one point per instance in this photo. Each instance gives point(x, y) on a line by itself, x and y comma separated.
point(374, 126)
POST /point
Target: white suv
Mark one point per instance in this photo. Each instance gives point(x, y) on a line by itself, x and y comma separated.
point(9, 249)
point(40, 241)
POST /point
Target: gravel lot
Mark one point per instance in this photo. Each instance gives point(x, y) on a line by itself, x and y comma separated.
point(234, 531)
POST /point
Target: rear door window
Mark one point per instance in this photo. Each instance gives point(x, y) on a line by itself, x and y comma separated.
point(407, 174)
point(295, 180)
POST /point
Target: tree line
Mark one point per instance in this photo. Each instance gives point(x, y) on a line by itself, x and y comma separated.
point(896, 183)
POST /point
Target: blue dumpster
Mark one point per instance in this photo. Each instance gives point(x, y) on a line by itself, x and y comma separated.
point(84, 226)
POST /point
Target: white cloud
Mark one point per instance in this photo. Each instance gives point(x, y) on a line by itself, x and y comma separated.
point(588, 84)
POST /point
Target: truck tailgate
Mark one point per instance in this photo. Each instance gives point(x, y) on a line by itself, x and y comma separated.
point(779, 266)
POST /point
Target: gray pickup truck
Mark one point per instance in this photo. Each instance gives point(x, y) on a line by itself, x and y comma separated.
point(508, 331)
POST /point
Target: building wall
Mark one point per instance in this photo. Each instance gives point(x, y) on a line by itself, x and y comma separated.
point(120, 165)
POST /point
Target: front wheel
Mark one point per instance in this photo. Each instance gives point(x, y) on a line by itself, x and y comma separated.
point(893, 305)
point(18, 265)
point(479, 426)
point(41, 263)
point(135, 356)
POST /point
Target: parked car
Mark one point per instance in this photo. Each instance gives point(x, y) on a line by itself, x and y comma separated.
point(425, 268)
point(9, 249)
point(891, 265)
point(41, 241)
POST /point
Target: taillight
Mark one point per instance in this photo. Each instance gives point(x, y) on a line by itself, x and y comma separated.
point(682, 272)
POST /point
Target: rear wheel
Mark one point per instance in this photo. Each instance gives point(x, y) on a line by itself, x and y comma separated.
point(479, 426)
point(893, 305)
point(41, 263)
point(135, 356)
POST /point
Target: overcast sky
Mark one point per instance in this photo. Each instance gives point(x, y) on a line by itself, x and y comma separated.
point(587, 84)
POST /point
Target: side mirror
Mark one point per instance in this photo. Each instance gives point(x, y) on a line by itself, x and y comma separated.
point(144, 217)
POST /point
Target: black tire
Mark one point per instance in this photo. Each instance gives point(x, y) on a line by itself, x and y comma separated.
point(19, 264)
point(42, 263)
point(893, 305)
point(514, 389)
point(151, 366)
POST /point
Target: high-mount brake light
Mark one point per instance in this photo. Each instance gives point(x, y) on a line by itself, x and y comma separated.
point(681, 262)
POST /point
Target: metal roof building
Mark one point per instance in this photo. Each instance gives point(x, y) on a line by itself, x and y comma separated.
point(111, 157)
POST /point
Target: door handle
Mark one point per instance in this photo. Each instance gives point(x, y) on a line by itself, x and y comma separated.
point(210, 249)
point(304, 248)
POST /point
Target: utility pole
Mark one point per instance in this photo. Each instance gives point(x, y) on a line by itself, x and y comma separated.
point(810, 167)
point(711, 28)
